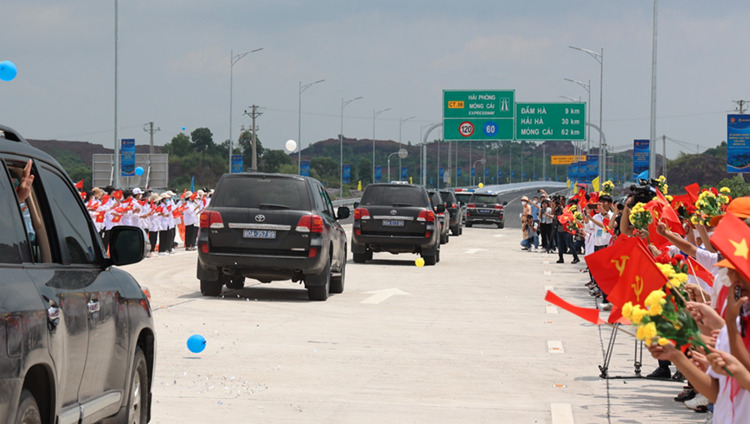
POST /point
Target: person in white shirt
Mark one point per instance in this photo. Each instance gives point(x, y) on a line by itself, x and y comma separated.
point(190, 220)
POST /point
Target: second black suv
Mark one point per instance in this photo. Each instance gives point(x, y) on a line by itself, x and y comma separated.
point(485, 207)
point(453, 209)
point(396, 218)
point(442, 217)
point(271, 227)
point(77, 338)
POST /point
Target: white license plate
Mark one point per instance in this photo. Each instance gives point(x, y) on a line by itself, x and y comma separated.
point(393, 223)
point(259, 234)
point(485, 210)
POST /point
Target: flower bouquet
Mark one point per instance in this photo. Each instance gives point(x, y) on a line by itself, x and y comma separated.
point(640, 218)
point(607, 188)
point(662, 184)
point(710, 203)
point(574, 225)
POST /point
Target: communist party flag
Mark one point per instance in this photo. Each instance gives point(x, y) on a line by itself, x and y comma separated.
point(638, 277)
point(603, 263)
point(589, 314)
point(693, 190)
point(731, 239)
point(79, 185)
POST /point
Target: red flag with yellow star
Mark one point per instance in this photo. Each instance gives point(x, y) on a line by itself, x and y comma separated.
point(732, 238)
point(639, 276)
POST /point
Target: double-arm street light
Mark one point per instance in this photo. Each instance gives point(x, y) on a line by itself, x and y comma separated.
point(302, 89)
point(341, 145)
point(234, 58)
point(586, 87)
point(401, 123)
point(375, 114)
point(599, 57)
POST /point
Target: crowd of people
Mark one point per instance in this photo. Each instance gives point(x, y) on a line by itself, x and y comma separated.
point(678, 233)
point(160, 215)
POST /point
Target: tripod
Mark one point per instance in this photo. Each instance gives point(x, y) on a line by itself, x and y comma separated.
point(637, 357)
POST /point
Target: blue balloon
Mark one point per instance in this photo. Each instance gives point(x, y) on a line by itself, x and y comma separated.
point(8, 70)
point(183, 128)
point(196, 343)
point(139, 171)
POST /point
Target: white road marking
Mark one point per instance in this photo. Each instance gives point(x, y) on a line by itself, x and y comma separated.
point(562, 413)
point(551, 309)
point(472, 251)
point(555, 346)
point(548, 288)
point(547, 272)
point(382, 295)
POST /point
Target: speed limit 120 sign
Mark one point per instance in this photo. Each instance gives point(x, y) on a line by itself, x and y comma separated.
point(466, 129)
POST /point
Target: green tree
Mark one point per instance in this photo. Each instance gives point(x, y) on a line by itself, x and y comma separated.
point(737, 186)
point(203, 140)
point(246, 143)
point(364, 169)
point(325, 168)
point(273, 160)
point(179, 146)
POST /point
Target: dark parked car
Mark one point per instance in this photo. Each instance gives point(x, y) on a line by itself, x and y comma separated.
point(454, 211)
point(77, 339)
point(396, 218)
point(436, 200)
point(271, 227)
point(485, 208)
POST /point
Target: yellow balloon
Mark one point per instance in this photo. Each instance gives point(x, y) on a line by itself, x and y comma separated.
point(481, 185)
point(419, 263)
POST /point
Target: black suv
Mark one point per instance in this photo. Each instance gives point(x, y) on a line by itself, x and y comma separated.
point(77, 339)
point(436, 200)
point(271, 227)
point(453, 208)
point(485, 208)
point(396, 218)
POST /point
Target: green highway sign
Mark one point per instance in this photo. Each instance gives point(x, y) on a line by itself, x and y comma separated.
point(478, 114)
point(550, 121)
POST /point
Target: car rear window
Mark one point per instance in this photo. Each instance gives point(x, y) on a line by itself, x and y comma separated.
point(262, 193)
point(448, 196)
point(393, 195)
point(484, 198)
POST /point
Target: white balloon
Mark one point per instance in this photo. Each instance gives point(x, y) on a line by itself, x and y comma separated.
point(291, 145)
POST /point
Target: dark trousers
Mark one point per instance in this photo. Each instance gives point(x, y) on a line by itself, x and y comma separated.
point(165, 244)
point(152, 236)
point(564, 239)
point(546, 230)
point(190, 233)
point(604, 295)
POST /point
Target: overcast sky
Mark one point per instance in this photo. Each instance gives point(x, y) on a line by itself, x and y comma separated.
point(174, 65)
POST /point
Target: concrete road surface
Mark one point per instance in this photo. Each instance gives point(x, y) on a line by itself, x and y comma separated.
point(470, 340)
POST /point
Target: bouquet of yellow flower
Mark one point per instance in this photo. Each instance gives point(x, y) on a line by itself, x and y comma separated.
point(640, 218)
point(607, 188)
point(662, 184)
point(574, 225)
point(665, 317)
point(710, 203)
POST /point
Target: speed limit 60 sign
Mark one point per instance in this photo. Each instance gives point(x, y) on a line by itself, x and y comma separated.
point(478, 114)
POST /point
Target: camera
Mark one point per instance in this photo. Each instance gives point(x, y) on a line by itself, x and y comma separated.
point(643, 192)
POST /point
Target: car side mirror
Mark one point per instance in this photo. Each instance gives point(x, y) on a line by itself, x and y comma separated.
point(505, 202)
point(440, 208)
point(342, 212)
point(127, 245)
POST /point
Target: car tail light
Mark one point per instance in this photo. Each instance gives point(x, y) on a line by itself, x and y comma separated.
point(361, 213)
point(498, 207)
point(211, 219)
point(471, 205)
point(427, 234)
point(310, 224)
point(426, 216)
point(203, 246)
point(454, 206)
point(313, 252)
point(358, 231)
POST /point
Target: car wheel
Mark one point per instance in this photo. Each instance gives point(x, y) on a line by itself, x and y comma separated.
point(501, 225)
point(28, 410)
point(138, 403)
point(468, 224)
point(319, 285)
point(430, 259)
point(210, 288)
point(337, 282)
point(236, 283)
point(455, 230)
point(369, 254)
point(460, 230)
point(360, 258)
point(437, 256)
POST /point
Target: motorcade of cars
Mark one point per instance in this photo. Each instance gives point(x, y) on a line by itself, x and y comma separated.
point(271, 227)
point(454, 211)
point(463, 195)
point(444, 220)
point(485, 207)
point(396, 218)
point(77, 337)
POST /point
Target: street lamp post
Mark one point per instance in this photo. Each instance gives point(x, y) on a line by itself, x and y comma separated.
point(232, 60)
point(402, 153)
point(375, 114)
point(474, 167)
point(341, 146)
point(586, 87)
point(302, 89)
point(401, 122)
point(599, 57)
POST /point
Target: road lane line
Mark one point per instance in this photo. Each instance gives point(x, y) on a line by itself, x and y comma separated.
point(562, 413)
point(555, 346)
point(379, 296)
